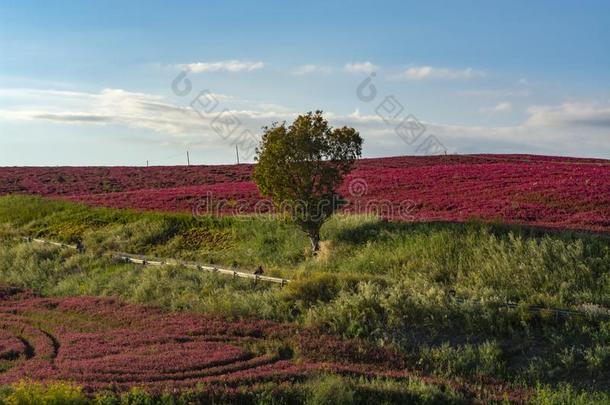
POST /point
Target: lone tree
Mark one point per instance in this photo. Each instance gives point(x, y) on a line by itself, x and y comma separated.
point(301, 166)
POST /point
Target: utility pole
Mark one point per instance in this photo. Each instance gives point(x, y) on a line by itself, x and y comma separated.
point(237, 153)
point(188, 158)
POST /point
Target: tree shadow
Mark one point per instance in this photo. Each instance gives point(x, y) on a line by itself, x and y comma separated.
point(381, 229)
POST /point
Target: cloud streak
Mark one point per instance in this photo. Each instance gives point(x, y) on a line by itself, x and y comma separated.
point(571, 115)
point(430, 72)
point(232, 66)
point(306, 70)
point(501, 107)
point(360, 67)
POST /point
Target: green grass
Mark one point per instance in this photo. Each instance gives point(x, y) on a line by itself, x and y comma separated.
point(320, 390)
point(434, 291)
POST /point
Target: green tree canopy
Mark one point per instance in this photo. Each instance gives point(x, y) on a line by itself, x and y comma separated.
point(301, 166)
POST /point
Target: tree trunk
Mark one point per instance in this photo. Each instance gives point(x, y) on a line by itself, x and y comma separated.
point(315, 243)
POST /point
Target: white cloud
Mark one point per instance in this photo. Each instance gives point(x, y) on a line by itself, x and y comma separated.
point(382, 140)
point(576, 128)
point(356, 67)
point(429, 72)
point(572, 129)
point(311, 70)
point(136, 110)
point(495, 93)
point(223, 66)
point(360, 67)
point(501, 107)
point(573, 114)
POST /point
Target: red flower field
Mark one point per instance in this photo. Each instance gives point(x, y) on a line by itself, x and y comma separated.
point(544, 191)
point(101, 343)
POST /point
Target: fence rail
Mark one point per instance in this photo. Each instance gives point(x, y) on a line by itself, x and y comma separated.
point(48, 242)
point(155, 261)
point(540, 309)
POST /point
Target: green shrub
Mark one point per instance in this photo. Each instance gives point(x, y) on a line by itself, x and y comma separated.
point(567, 395)
point(388, 391)
point(358, 314)
point(484, 359)
point(320, 287)
point(315, 289)
point(598, 358)
point(28, 393)
point(330, 390)
point(281, 394)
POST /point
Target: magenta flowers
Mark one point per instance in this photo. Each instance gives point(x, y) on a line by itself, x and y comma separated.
point(543, 191)
point(104, 344)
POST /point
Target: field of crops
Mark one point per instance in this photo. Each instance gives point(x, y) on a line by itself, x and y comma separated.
point(103, 344)
point(543, 191)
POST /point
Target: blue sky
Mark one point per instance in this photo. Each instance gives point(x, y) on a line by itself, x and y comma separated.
point(90, 83)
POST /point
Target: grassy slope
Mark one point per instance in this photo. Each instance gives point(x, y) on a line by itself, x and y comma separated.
point(395, 284)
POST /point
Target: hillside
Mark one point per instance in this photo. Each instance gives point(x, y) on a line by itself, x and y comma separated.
point(555, 192)
point(389, 312)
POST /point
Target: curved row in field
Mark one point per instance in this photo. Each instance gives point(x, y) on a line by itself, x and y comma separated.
point(103, 344)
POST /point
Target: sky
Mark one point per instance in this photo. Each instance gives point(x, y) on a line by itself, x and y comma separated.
point(137, 82)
